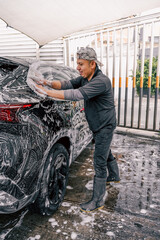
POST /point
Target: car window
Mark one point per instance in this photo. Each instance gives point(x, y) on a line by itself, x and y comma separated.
point(13, 86)
point(13, 78)
point(51, 71)
point(12, 74)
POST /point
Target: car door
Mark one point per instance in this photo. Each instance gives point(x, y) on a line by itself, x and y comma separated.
point(80, 129)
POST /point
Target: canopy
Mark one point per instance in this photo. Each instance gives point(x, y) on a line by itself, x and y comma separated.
point(47, 20)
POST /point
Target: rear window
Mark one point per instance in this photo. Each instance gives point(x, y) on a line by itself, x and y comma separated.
point(49, 71)
point(13, 86)
point(52, 71)
point(13, 78)
point(12, 75)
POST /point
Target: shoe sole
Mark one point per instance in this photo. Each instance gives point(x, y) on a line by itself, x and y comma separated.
point(113, 182)
point(82, 210)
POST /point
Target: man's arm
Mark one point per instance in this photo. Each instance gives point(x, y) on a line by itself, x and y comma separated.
point(55, 84)
point(51, 93)
point(70, 94)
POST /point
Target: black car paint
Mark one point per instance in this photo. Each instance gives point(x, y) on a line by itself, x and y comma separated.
point(24, 145)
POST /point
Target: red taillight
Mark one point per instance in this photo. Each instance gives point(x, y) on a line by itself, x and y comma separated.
point(82, 110)
point(8, 112)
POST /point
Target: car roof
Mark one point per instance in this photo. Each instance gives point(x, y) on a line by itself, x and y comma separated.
point(19, 61)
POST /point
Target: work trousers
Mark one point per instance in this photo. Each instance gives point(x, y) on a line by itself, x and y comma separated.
point(102, 140)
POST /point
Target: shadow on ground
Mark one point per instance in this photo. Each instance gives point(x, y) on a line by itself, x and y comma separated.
point(132, 207)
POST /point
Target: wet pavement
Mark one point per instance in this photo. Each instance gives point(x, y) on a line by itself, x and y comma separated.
point(132, 207)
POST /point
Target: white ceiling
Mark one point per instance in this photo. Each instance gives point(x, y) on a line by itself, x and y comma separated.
point(47, 20)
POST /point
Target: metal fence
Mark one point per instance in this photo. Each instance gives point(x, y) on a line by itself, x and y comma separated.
point(130, 52)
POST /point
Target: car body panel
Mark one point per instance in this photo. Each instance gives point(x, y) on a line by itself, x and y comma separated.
point(25, 145)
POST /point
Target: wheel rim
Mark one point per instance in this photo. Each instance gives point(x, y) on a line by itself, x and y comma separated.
point(57, 179)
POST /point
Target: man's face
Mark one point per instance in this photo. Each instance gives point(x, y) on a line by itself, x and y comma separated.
point(86, 68)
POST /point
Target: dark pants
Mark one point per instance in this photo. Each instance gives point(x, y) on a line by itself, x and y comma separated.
point(110, 156)
point(102, 140)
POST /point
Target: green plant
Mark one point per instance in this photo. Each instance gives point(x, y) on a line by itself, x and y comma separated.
point(145, 76)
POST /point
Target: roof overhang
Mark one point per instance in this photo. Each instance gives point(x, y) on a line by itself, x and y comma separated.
point(45, 21)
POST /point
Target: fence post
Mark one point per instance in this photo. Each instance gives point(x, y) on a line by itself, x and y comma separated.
point(134, 76)
point(157, 88)
point(149, 76)
point(127, 76)
point(37, 51)
point(114, 60)
point(120, 76)
point(141, 78)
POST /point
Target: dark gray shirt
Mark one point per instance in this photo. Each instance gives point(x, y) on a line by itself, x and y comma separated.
point(70, 93)
point(98, 100)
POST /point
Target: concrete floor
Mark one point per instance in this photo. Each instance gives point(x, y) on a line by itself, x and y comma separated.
point(132, 207)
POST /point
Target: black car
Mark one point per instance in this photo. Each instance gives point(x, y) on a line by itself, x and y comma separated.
point(39, 138)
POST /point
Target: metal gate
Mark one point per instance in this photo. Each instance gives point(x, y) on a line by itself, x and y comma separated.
point(130, 52)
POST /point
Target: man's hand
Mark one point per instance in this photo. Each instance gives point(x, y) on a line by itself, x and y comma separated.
point(56, 84)
point(58, 94)
point(41, 89)
point(41, 81)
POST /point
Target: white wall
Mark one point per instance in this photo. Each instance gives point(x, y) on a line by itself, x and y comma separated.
point(14, 43)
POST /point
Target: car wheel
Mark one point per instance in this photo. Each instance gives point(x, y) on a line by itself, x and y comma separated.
point(54, 181)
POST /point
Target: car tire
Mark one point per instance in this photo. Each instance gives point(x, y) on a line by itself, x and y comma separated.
point(54, 181)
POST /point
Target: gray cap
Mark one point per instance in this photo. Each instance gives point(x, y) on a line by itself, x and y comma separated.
point(88, 54)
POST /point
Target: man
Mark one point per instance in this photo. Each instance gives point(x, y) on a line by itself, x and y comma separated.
point(96, 91)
